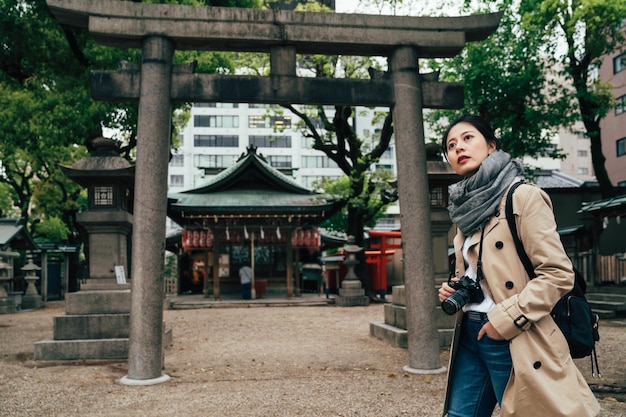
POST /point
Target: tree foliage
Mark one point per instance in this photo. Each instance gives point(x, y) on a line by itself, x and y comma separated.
point(535, 75)
point(589, 29)
point(47, 116)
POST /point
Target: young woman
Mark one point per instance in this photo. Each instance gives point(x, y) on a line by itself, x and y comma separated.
point(506, 348)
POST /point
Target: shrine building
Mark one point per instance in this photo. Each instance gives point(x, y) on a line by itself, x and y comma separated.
point(251, 215)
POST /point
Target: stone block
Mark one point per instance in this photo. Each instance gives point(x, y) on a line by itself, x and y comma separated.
point(399, 295)
point(395, 315)
point(97, 302)
point(93, 326)
point(351, 284)
point(351, 292)
point(352, 301)
point(399, 337)
point(31, 302)
point(46, 350)
point(393, 335)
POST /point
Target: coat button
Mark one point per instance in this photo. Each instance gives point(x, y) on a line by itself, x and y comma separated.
point(537, 365)
point(499, 245)
point(509, 285)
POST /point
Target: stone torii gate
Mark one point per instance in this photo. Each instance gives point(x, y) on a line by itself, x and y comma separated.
point(160, 29)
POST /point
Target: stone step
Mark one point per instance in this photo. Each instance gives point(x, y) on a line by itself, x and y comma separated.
point(114, 348)
point(92, 326)
point(598, 296)
point(46, 350)
point(97, 302)
point(607, 305)
point(399, 337)
point(604, 314)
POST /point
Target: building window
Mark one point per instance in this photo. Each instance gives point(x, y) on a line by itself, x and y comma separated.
point(177, 180)
point(267, 141)
point(103, 196)
point(177, 160)
point(620, 105)
point(213, 161)
point(264, 122)
point(215, 121)
point(213, 141)
point(311, 182)
point(318, 162)
point(621, 147)
point(619, 63)
point(582, 152)
point(262, 106)
point(217, 105)
point(279, 161)
point(388, 154)
point(306, 142)
point(583, 171)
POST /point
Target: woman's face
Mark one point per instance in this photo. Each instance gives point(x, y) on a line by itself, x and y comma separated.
point(467, 148)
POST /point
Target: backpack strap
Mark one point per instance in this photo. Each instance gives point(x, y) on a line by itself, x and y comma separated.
point(510, 218)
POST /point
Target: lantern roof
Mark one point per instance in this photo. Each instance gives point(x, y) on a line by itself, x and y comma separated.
point(104, 164)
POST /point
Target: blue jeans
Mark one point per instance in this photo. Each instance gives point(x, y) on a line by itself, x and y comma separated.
point(480, 371)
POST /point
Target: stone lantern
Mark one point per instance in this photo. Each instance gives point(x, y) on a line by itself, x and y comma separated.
point(31, 298)
point(108, 222)
point(351, 293)
point(6, 304)
point(440, 176)
point(96, 320)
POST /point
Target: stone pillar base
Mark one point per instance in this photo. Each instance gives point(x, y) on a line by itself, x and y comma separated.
point(31, 302)
point(394, 329)
point(351, 294)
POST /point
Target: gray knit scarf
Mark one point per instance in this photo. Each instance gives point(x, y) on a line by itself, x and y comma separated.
point(474, 199)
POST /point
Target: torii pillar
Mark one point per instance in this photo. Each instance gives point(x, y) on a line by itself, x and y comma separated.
point(414, 200)
point(145, 350)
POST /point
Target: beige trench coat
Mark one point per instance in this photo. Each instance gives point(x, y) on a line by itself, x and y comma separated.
point(544, 381)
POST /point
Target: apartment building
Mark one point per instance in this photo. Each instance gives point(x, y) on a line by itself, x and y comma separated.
point(218, 133)
point(613, 71)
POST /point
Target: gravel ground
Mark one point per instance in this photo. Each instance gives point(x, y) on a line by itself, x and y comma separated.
point(279, 361)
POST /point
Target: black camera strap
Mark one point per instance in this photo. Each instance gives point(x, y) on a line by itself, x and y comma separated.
point(479, 264)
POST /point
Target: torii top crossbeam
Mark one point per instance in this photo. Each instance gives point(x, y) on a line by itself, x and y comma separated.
point(126, 24)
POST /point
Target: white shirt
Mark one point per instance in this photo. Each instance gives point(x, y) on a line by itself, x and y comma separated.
point(487, 304)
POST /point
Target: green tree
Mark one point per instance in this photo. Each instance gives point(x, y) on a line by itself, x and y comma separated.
point(47, 116)
point(589, 29)
point(535, 75)
point(505, 82)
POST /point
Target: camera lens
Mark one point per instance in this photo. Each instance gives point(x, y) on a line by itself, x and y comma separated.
point(455, 302)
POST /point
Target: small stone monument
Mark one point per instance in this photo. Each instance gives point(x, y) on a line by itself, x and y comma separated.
point(31, 298)
point(351, 293)
point(6, 303)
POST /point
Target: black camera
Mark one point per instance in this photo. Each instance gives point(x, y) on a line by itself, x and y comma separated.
point(467, 291)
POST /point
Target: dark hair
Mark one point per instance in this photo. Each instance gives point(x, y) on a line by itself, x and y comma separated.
point(478, 122)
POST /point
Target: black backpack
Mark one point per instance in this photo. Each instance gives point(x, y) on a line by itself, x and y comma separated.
point(572, 312)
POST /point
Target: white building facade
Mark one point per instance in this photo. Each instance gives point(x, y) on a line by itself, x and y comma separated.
point(218, 133)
